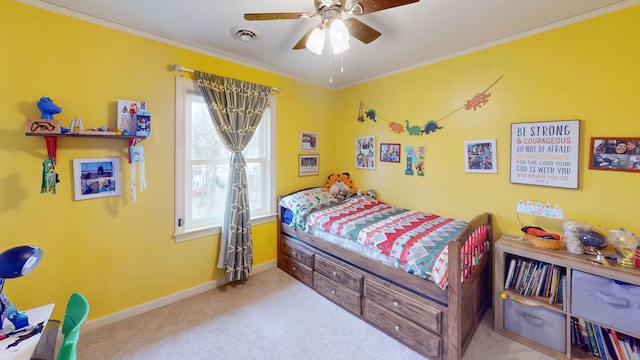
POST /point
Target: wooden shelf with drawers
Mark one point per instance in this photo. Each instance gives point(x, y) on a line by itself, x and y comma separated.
point(585, 299)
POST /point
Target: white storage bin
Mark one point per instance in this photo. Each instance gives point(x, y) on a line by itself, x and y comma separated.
point(542, 325)
point(603, 300)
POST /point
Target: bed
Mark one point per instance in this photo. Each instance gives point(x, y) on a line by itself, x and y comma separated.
point(423, 279)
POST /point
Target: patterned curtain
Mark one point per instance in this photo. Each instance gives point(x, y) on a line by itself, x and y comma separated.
point(236, 108)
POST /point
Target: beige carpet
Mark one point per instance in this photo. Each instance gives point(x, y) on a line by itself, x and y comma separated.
point(271, 316)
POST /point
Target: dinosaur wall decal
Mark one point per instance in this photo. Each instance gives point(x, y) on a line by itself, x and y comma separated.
point(413, 130)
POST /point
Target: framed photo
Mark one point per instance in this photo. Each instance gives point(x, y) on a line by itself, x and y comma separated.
point(480, 156)
point(545, 153)
point(96, 178)
point(390, 152)
point(308, 165)
point(615, 153)
point(366, 152)
point(308, 141)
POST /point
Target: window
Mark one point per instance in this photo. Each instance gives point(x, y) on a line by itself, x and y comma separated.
point(202, 166)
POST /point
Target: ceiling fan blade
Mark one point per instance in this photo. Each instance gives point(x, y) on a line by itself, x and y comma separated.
point(369, 6)
point(361, 31)
point(302, 44)
point(276, 16)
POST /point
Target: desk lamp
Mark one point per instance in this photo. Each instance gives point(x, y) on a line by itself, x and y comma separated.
point(16, 262)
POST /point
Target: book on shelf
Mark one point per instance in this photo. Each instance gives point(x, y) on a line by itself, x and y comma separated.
point(626, 346)
point(555, 281)
point(610, 348)
point(521, 271)
point(616, 342)
point(585, 336)
point(597, 333)
point(562, 299)
point(576, 334)
point(514, 279)
point(512, 269)
point(593, 346)
point(543, 279)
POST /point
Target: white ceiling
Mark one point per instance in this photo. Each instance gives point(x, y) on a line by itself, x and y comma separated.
point(412, 35)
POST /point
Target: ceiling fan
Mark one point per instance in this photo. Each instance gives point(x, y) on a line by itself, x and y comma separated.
point(340, 30)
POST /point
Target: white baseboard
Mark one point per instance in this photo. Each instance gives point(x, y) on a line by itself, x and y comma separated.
point(160, 302)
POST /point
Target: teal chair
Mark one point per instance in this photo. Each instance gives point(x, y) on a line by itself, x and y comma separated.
point(75, 315)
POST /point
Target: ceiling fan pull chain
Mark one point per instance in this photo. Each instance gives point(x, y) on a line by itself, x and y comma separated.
point(330, 66)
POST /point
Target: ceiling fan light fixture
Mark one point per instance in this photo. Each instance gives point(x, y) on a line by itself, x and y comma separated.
point(339, 35)
point(315, 42)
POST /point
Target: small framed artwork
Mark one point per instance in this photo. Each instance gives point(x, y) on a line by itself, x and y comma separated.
point(366, 152)
point(308, 141)
point(308, 165)
point(615, 153)
point(96, 178)
point(480, 156)
point(390, 152)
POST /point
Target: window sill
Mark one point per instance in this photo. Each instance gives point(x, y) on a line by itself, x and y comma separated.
point(214, 230)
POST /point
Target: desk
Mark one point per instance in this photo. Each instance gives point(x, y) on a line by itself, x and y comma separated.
point(24, 350)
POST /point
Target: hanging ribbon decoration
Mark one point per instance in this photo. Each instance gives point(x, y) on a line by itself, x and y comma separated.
point(136, 155)
point(49, 176)
point(474, 103)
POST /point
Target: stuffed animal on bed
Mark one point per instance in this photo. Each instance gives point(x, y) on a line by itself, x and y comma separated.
point(340, 186)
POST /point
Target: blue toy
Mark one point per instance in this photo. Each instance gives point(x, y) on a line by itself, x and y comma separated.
point(48, 109)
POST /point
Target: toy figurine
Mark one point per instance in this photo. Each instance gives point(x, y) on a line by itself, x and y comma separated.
point(48, 109)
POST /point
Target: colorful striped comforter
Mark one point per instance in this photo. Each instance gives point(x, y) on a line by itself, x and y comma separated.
point(410, 240)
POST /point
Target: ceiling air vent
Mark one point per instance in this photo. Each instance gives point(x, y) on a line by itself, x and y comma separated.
point(245, 34)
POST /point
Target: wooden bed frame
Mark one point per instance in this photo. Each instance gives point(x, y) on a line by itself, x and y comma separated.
point(436, 323)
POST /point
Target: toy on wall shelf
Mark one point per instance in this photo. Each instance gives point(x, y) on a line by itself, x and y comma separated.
point(127, 120)
point(47, 109)
point(143, 123)
point(76, 124)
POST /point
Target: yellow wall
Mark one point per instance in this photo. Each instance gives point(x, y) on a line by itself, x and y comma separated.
point(588, 71)
point(121, 253)
point(117, 252)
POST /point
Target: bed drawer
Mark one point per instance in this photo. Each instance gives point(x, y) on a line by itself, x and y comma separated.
point(410, 334)
point(339, 273)
point(297, 251)
point(347, 299)
point(296, 269)
point(410, 307)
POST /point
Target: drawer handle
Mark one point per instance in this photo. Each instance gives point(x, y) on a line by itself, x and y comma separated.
point(616, 302)
point(533, 320)
point(294, 268)
point(333, 292)
point(397, 327)
point(334, 273)
point(395, 304)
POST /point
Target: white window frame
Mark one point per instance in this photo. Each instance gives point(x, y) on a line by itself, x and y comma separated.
point(183, 186)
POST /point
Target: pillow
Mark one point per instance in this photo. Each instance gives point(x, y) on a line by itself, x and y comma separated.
point(303, 202)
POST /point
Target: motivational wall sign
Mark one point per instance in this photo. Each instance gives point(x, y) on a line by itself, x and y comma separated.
point(545, 153)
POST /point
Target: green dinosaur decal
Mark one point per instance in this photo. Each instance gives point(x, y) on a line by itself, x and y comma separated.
point(413, 130)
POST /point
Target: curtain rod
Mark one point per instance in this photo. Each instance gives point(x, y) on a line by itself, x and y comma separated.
point(177, 67)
